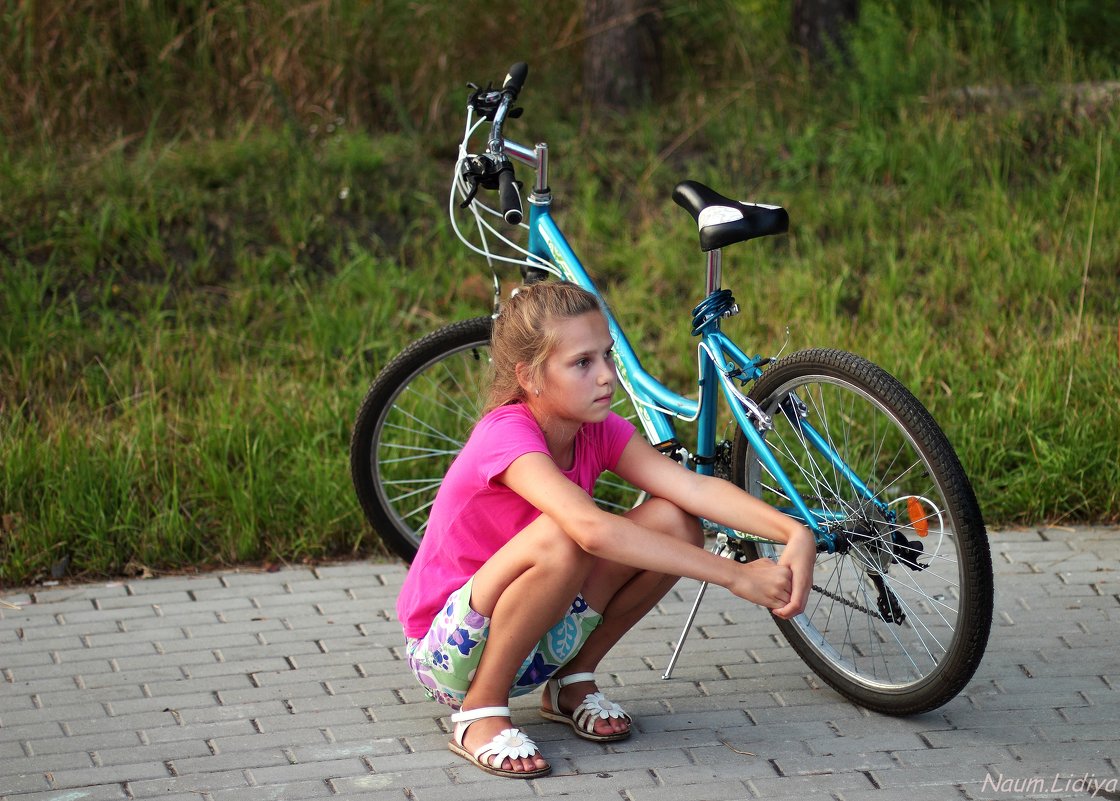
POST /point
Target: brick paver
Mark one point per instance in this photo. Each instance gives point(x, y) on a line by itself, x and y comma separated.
point(290, 685)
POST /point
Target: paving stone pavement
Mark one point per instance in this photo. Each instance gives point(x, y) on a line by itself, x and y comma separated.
point(291, 685)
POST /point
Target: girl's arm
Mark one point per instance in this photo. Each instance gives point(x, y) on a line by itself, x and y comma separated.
point(723, 502)
point(536, 478)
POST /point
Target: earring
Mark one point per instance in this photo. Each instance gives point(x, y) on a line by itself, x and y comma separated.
point(537, 392)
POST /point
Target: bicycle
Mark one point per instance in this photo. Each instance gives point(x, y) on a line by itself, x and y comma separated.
point(900, 615)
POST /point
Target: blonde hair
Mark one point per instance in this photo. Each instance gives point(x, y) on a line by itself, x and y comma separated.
point(524, 333)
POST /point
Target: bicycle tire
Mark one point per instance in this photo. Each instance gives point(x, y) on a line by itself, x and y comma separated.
point(414, 420)
point(915, 645)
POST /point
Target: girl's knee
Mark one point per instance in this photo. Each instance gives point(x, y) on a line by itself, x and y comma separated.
point(665, 516)
point(541, 546)
point(554, 548)
point(689, 529)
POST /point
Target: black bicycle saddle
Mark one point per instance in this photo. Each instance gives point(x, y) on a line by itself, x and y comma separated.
point(724, 221)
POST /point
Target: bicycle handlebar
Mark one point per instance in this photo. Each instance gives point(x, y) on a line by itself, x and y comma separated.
point(495, 105)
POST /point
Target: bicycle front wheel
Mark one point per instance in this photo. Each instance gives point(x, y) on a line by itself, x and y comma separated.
point(899, 615)
point(412, 424)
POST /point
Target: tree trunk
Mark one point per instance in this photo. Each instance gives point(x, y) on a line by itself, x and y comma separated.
point(818, 26)
point(621, 57)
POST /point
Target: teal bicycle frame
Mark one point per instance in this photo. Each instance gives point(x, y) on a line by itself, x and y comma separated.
point(721, 363)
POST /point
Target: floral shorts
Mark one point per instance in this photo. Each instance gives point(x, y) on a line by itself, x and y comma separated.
point(445, 659)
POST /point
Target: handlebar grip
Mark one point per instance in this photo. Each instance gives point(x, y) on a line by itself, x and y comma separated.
point(515, 79)
point(509, 196)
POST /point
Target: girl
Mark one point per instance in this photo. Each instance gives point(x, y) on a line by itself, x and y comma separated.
point(522, 581)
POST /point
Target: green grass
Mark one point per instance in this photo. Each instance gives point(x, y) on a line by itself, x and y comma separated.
point(194, 296)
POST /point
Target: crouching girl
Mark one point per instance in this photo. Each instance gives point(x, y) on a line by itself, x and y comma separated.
point(521, 581)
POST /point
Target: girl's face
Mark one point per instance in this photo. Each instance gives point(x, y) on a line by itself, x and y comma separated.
point(578, 377)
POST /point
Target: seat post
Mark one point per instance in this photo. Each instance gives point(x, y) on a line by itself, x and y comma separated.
point(714, 272)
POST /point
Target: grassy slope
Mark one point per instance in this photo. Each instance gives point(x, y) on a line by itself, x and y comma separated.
point(189, 317)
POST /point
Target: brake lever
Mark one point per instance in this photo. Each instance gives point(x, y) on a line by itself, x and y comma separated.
point(472, 183)
point(477, 171)
point(485, 101)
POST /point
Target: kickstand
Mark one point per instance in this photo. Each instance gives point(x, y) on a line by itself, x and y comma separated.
point(720, 549)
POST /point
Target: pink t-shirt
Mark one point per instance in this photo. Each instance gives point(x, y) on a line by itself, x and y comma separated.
point(473, 515)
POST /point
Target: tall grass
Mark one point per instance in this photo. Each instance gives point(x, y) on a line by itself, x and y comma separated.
point(113, 71)
point(203, 270)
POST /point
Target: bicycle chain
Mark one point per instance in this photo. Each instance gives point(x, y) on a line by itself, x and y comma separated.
point(847, 602)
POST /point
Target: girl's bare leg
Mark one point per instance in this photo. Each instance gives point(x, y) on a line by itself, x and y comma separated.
point(528, 585)
point(624, 596)
point(525, 588)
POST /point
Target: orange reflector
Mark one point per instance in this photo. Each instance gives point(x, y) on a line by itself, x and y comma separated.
point(918, 519)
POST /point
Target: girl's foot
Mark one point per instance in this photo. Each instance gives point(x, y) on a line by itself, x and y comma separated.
point(487, 738)
point(576, 701)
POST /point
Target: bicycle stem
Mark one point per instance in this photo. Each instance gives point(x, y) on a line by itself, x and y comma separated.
point(536, 159)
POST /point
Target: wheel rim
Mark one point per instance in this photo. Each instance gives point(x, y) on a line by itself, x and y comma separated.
point(843, 623)
point(423, 428)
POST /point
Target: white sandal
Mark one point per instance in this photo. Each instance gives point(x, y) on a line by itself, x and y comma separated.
point(594, 707)
point(509, 744)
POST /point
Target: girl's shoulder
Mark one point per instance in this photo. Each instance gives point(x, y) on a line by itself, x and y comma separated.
point(510, 413)
point(498, 438)
point(512, 421)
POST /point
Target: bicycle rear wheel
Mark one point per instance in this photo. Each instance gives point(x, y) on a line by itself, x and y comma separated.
point(414, 420)
point(899, 616)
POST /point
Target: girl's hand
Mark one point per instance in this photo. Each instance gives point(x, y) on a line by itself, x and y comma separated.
point(799, 555)
point(763, 582)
